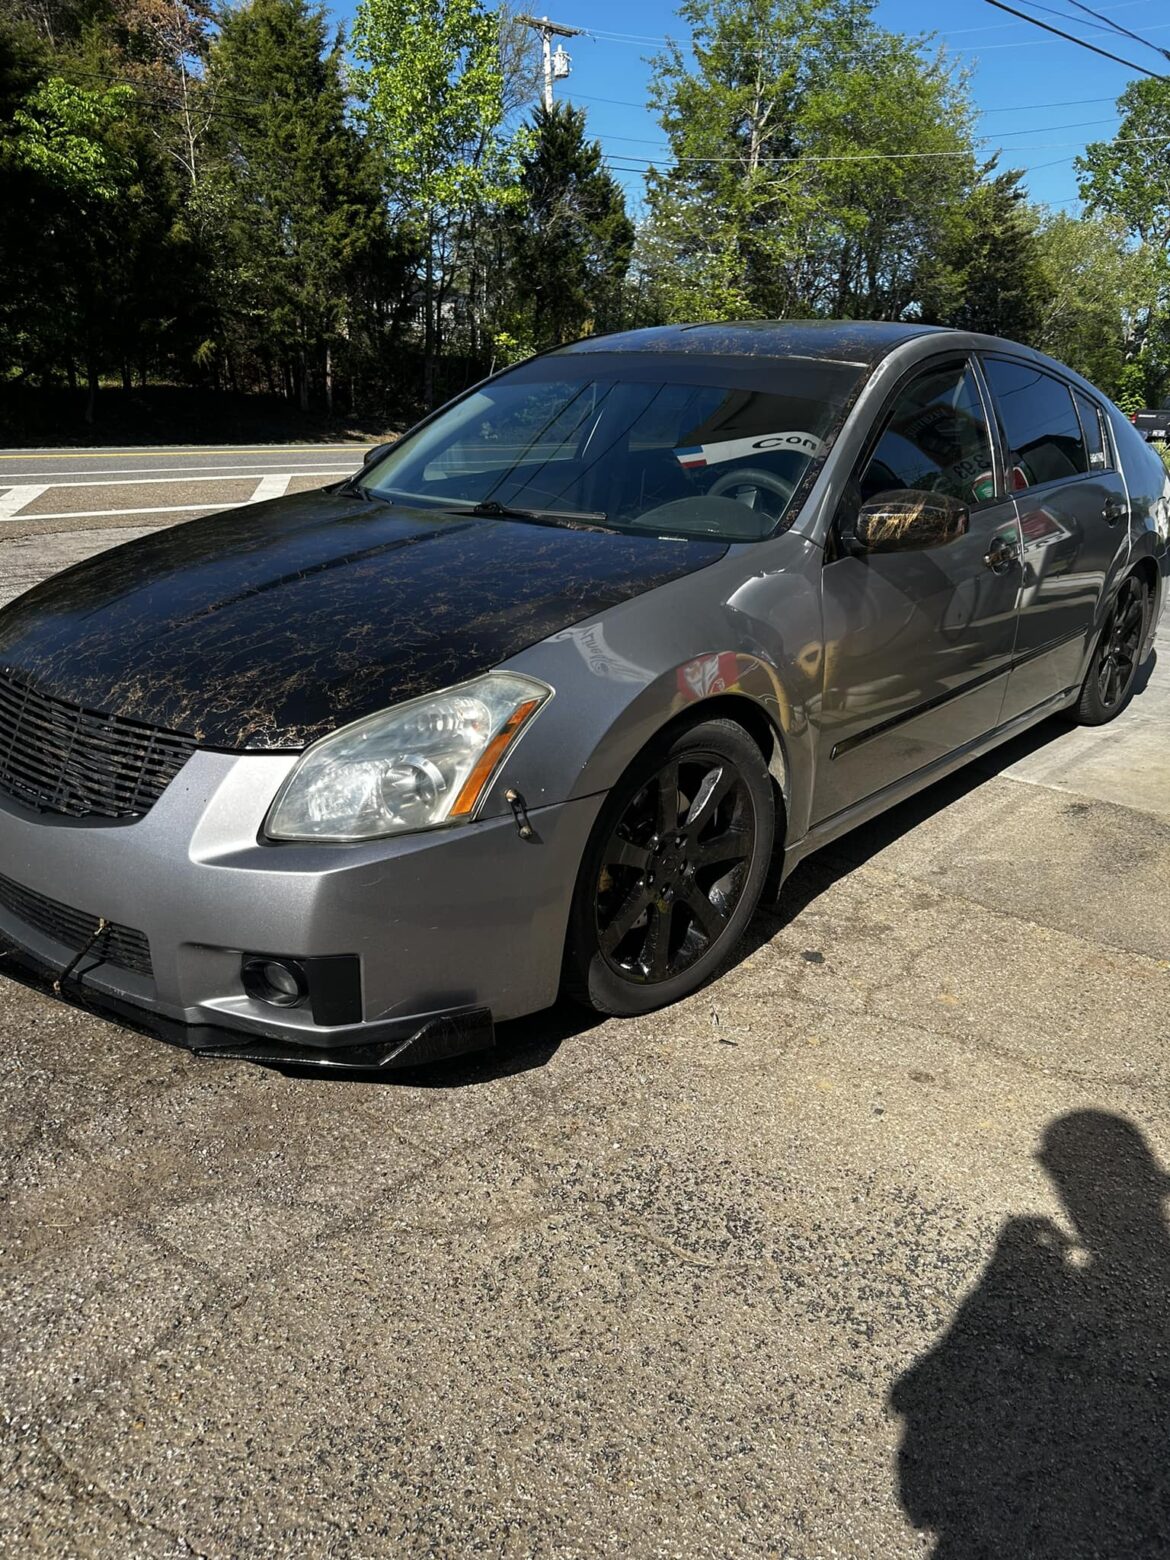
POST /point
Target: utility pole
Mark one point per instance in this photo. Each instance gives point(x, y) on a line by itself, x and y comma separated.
point(556, 66)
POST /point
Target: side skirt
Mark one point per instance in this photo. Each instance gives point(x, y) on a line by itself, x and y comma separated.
point(857, 813)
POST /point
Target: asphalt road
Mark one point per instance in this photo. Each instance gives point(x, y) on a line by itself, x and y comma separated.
point(861, 1252)
point(59, 506)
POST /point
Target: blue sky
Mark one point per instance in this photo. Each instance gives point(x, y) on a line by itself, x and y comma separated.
point(1040, 98)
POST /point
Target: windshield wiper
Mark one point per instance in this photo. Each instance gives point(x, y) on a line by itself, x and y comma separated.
point(583, 520)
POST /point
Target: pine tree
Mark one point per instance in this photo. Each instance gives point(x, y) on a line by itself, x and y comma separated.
point(299, 210)
point(572, 240)
point(986, 275)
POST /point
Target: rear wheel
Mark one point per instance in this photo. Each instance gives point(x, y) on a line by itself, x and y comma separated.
point(1109, 683)
point(673, 871)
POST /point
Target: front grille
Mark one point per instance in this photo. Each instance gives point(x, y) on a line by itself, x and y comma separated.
point(59, 758)
point(120, 945)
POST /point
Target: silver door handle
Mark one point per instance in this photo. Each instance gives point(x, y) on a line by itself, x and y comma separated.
point(1000, 556)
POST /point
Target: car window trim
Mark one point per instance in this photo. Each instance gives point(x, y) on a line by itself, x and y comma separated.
point(1109, 443)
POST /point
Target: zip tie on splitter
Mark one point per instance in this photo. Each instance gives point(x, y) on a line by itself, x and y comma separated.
point(99, 930)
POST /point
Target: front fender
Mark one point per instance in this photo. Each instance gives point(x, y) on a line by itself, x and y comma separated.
point(727, 633)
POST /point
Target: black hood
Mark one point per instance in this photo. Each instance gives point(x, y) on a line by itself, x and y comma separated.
point(269, 626)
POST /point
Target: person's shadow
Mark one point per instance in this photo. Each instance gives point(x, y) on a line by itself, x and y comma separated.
point(1039, 1427)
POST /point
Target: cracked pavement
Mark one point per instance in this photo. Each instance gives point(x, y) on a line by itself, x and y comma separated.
point(646, 1286)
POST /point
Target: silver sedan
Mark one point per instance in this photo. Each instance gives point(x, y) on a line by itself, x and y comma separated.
point(548, 696)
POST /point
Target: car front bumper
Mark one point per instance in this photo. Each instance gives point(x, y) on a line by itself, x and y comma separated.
point(444, 931)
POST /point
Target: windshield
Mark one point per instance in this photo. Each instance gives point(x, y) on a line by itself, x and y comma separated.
point(628, 447)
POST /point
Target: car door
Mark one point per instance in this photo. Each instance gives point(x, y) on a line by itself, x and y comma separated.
point(1073, 511)
point(917, 643)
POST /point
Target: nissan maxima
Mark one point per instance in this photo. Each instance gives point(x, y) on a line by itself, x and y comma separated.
point(544, 698)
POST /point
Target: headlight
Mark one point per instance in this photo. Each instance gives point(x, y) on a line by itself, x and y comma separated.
point(411, 767)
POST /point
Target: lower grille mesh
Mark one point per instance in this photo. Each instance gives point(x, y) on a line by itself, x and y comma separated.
point(120, 945)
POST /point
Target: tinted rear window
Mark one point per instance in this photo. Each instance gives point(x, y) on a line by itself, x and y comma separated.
point(1040, 423)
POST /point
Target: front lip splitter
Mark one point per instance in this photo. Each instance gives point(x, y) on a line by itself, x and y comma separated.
point(383, 1047)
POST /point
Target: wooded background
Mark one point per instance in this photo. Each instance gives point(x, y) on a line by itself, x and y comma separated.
point(241, 203)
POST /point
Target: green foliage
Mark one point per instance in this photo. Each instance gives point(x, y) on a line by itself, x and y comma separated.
point(508, 349)
point(1163, 451)
point(1126, 180)
point(1093, 296)
point(1126, 177)
point(432, 84)
point(782, 196)
point(289, 195)
point(571, 240)
point(1131, 389)
point(222, 199)
point(986, 274)
point(64, 137)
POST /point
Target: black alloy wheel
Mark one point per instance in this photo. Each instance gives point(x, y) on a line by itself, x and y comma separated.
point(673, 872)
point(1112, 674)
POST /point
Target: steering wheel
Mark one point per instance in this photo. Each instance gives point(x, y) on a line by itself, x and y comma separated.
point(746, 483)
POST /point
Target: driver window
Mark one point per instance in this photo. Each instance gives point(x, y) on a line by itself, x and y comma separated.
point(936, 438)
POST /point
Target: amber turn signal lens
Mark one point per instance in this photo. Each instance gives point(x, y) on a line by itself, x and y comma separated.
point(486, 765)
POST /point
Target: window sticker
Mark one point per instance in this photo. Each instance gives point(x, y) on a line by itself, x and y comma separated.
point(692, 456)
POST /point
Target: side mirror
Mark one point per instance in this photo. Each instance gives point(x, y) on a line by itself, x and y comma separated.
point(376, 453)
point(908, 520)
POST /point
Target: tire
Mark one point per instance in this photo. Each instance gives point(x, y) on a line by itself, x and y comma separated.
point(673, 871)
point(1109, 683)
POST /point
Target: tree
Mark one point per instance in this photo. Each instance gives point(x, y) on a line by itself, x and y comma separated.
point(571, 240)
point(815, 158)
point(987, 274)
point(432, 84)
point(88, 181)
point(1093, 296)
point(299, 211)
point(1128, 179)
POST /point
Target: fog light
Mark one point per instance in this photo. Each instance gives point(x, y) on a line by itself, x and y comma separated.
point(279, 982)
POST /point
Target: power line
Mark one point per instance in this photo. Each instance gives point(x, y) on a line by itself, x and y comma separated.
point(958, 32)
point(1003, 108)
point(1001, 135)
point(1018, 108)
point(768, 162)
point(1117, 27)
point(1072, 38)
point(644, 40)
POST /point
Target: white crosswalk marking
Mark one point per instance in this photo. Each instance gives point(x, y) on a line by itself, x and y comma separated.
point(100, 514)
point(236, 469)
point(242, 476)
point(17, 497)
point(274, 485)
point(271, 487)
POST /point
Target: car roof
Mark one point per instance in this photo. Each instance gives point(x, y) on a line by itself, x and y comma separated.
point(864, 342)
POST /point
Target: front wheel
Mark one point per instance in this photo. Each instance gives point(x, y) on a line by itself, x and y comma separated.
point(1109, 683)
point(673, 871)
